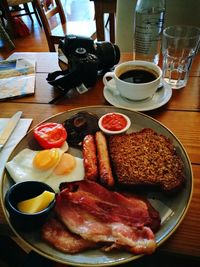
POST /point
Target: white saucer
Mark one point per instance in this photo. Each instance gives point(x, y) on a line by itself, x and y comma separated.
point(160, 98)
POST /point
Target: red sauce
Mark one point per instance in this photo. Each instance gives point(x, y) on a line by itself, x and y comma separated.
point(114, 122)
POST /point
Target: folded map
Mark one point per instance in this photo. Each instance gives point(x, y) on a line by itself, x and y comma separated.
point(17, 78)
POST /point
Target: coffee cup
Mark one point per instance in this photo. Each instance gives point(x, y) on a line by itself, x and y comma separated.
point(135, 80)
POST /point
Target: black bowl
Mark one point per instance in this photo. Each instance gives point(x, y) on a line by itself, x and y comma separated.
point(23, 191)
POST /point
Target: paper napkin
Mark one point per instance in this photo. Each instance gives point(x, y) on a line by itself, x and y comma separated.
point(18, 133)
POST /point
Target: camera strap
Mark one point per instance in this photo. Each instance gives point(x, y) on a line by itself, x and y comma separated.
point(65, 81)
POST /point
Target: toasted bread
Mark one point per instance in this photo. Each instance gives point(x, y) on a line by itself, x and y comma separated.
point(146, 158)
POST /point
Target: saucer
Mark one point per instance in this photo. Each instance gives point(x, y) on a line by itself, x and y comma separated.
point(160, 98)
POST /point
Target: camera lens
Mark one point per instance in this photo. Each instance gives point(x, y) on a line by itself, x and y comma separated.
point(108, 54)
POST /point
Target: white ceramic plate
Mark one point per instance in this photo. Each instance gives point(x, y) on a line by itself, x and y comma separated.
point(160, 98)
point(171, 209)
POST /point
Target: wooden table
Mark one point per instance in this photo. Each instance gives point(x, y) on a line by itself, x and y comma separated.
point(181, 115)
point(102, 7)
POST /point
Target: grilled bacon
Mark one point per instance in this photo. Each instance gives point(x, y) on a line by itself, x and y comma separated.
point(58, 236)
point(99, 215)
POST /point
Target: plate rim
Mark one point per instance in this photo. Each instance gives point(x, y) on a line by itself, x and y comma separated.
point(132, 257)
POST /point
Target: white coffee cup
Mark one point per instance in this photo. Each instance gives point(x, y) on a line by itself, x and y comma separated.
point(145, 78)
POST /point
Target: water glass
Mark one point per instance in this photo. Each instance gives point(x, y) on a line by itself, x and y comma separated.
point(180, 44)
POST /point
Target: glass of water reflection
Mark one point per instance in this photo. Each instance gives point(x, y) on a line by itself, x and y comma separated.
point(180, 44)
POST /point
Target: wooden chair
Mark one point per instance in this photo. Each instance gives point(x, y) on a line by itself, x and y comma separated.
point(6, 38)
point(105, 7)
point(25, 11)
point(4, 35)
point(56, 27)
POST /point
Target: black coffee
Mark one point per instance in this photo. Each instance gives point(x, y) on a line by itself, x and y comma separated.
point(138, 76)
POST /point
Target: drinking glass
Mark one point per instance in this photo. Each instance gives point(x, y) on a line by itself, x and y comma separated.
point(180, 44)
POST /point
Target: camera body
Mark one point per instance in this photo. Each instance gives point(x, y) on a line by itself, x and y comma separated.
point(108, 54)
point(84, 65)
point(86, 59)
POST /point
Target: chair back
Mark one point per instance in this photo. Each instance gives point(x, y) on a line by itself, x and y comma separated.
point(55, 31)
point(46, 17)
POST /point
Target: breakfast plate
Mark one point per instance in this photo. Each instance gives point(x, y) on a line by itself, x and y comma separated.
point(160, 98)
point(172, 209)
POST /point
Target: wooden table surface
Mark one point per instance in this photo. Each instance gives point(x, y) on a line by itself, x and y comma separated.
point(181, 115)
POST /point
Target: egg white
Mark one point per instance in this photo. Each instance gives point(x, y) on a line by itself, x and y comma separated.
point(21, 166)
point(77, 174)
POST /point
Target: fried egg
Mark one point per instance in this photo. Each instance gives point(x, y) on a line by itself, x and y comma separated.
point(52, 166)
point(23, 167)
point(69, 169)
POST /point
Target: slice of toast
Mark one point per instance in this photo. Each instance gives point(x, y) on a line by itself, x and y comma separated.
point(146, 158)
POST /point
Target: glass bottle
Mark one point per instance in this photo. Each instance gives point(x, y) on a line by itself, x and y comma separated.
point(149, 21)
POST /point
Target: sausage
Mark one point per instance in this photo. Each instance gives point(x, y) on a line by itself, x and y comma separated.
point(105, 171)
point(90, 158)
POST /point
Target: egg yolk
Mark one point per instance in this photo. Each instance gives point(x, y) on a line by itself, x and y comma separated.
point(46, 159)
point(66, 164)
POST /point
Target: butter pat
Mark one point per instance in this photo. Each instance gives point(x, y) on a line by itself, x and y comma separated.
point(36, 204)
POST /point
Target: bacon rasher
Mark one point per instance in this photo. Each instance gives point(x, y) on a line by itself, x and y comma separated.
point(99, 215)
point(58, 236)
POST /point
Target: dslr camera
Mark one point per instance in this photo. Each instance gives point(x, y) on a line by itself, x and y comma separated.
point(86, 60)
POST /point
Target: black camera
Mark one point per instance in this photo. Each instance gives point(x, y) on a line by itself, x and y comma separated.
point(108, 54)
point(86, 59)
